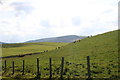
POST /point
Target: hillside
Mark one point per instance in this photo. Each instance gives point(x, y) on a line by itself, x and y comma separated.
point(69, 38)
point(102, 49)
point(28, 48)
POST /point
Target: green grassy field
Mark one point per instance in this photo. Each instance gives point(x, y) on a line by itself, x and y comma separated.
point(26, 48)
point(102, 49)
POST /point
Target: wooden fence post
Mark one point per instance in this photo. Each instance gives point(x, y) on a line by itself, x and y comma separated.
point(62, 66)
point(38, 72)
point(50, 60)
point(88, 67)
point(5, 66)
point(13, 67)
point(23, 67)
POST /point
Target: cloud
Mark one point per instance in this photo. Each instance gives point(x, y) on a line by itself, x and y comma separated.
point(1, 2)
point(45, 23)
point(49, 18)
point(22, 6)
point(76, 21)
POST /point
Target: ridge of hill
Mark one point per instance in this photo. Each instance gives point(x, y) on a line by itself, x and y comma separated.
point(68, 38)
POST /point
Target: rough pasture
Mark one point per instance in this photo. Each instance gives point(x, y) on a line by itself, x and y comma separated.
point(101, 48)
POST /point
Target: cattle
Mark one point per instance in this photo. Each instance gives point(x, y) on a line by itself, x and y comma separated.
point(58, 47)
point(46, 51)
point(76, 41)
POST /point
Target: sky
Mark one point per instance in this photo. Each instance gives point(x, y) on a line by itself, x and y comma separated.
point(23, 20)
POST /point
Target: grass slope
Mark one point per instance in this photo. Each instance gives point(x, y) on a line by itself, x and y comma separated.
point(102, 49)
point(25, 48)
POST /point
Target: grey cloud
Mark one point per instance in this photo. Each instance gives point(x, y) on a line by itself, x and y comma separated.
point(22, 6)
point(1, 2)
point(19, 3)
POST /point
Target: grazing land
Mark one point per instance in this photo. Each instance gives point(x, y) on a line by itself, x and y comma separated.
point(102, 49)
point(27, 48)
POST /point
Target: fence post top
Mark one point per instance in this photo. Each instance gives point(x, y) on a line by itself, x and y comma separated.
point(37, 58)
point(88, 56)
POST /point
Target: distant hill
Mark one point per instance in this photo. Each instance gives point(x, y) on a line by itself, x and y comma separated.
point(2, 43)
point(69, 38)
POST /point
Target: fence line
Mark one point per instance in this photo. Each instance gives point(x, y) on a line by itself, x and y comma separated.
point(5, 66)
point(38, 76)
point(88, 67)
point(38, 72)
point(62, 66)
point(50, 60)
point(13, 67)
point(23, 67)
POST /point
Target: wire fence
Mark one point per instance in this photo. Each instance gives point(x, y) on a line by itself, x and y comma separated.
point(62, 69)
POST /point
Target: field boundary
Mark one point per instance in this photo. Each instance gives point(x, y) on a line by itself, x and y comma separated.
point(50, 75)
point(22, 55)
point(38, 75)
